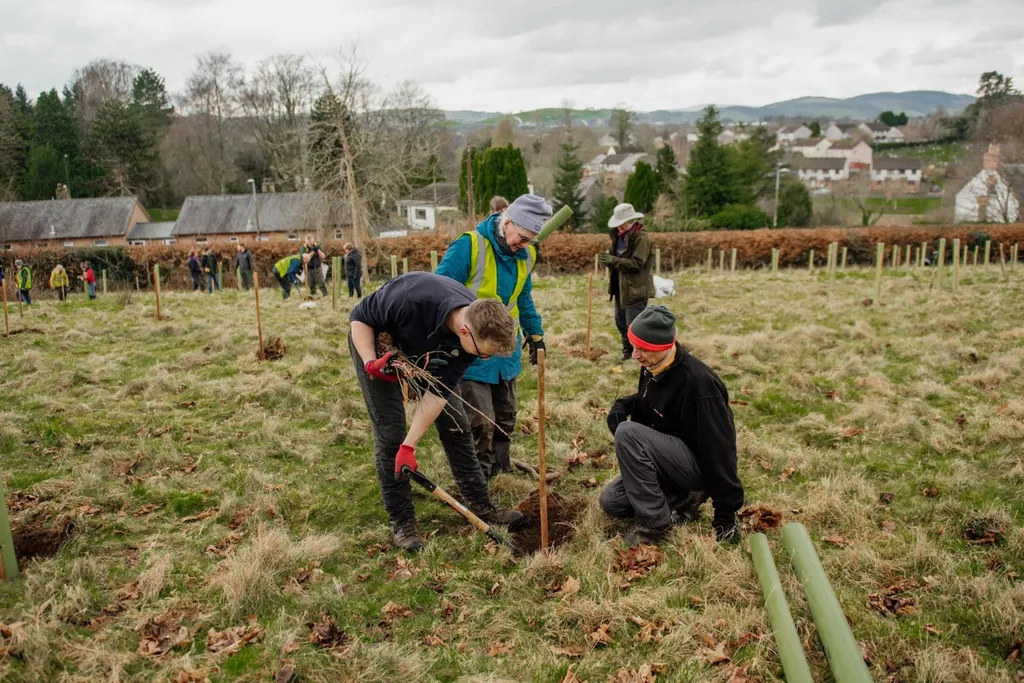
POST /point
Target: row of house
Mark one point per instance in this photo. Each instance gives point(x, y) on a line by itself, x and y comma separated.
point(889, 173)
point(873, 130)
point(113, 221)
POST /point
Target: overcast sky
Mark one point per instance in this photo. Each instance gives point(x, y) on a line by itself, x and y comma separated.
point(512, 55)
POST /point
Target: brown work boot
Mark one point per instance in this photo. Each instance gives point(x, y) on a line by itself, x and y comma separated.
point(507, 517)
point(405, 536)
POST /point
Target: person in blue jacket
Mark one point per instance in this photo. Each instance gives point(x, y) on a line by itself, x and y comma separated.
point(495, 262)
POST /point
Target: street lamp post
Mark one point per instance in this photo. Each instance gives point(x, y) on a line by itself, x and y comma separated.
point(775, 216)
point(255, 208)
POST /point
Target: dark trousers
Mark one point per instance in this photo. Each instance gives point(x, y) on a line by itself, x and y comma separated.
point(498, 403)
point(211, 282)
point(316, 280)
point(657, 472)
point(387, 418)
point(354, 286)
point(25, 296)
point(246, 279)
point(624, 318)
point(286, 285)
point(197, 282)
point(62, 293)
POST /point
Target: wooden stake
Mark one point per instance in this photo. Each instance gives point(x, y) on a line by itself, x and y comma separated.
point(104, 281)
point(7, 550)
point(259, 320)
point(775, 260)
point(542, 463)
point(810, 263)
point(405, 265)
point(732, 262)
point(842, 262)
point(924, 254)
point(220, 274)
point(1002, 261)
point(657, 266)
point(956, 265)
point(156, 287)
point(590, 298)
point(988, 250)
point(833, 254)
point(879, 259)
point(334, 283)
point(895, 256)
point(721, 260)
point(941, 262)
point(433, 262)
point(7, 322)
point(975, 256)
point(137, 287)
point(394, 266)
point(964, 259)
point(917, 255)
point(906, 264)
point(709, 260)
point(597, 261)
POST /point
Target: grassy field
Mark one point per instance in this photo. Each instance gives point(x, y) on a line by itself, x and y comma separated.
point(222, 521)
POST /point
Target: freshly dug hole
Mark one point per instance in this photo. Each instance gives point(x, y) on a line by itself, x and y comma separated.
point(561, 516)
point(274, 350)
point(40, 536)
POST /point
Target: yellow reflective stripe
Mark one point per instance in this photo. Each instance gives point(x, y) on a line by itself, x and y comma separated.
point(477, 254)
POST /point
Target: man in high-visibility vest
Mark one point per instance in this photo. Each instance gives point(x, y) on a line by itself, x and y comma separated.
point(495, 262)
point(24, 282)
point(287, 273)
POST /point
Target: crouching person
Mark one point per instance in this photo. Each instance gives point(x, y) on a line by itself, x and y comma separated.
point(441, 326)
point(675, 440)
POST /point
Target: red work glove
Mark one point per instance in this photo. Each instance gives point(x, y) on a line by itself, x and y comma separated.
point(381, 368)
point(406, 456)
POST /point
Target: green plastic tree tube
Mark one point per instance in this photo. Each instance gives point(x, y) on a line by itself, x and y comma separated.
point(787, 641)
point(10, 560)
point(555, 222)
point(837, 639)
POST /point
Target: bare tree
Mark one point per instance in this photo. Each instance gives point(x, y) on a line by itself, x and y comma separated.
point(621, 122)
point(276, 100)
point(97, 83)
point(366, 144)
point(504, 133)
point(209, 103)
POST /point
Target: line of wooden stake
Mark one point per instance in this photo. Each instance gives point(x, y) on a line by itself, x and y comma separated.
point(956, 265)
point(259, 320)
point(732, 262)
point(590, 298)
point(7, 322)
point(879, 259)
point(156, 287)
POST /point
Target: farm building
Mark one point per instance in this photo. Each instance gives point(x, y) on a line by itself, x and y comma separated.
point(994, 195)
point(158, 232)
point(268, 216)
point(92, 222)
point(421, 207)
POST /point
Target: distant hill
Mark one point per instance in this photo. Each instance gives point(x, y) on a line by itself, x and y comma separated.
point(862, 107)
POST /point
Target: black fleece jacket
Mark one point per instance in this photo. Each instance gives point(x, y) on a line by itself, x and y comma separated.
point(689, 401)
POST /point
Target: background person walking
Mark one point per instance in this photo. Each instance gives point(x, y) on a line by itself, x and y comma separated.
point(209, 263)
point(353, 270)
point(59, 281)
point(24, 282)
point(243, 261)
point(315, 265)
point(631, 265)
point(88, 278)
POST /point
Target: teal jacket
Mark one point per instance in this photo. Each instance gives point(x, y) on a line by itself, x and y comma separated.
point(456, 265)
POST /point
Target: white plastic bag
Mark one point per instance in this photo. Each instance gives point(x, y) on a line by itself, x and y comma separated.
point(663, 287)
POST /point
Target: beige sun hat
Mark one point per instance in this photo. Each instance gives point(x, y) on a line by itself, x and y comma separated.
point(622, 214)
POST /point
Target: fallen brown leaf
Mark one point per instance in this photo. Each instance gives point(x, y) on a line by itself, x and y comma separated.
point(144, 510)
point(403, 571)
point(233, 639)
point(498, 649)
point(714, 657)
point(241, 516)
point(570, 588)
point(599, 636)
point(930, 492)
point(570, 677)
point(889, 526)
point(787, 473)
point(88, 510)
point(759, 518)
point(285, 673)
point(208, 512)
point(642, 675)
point(638, 560)
point(326, 634)
point(928, 628)
point(838, 540)
point(162, 633)
point(431, 640)
point(1015, 651)
point(393, 611)
point(892, 601)
point(191, 467)
point(886, 498)
point(569, 651)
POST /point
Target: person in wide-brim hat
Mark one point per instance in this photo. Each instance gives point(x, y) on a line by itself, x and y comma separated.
point(630, 264)
point(675, 439)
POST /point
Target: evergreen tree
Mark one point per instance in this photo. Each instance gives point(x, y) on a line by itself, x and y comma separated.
point(497, 171)
point(621, 122)
point(567, 184)
point(815, 129)
point(795, 206)
point(119, 143)
point(53, 130)
point(604, 207)
point(45, 170)
point(667, 169)
point(753, 166)
point(151, 102)
point(642, 188)
point(710, 180)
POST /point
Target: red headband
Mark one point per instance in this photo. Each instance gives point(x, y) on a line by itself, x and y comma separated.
point(647, 346)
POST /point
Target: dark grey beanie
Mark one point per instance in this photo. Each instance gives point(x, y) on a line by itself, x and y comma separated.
point(529, 212)
point(654, 329)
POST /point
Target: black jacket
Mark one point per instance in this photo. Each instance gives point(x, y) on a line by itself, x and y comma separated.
point(209, 262)
point(689, 401)
point(244, 260)
point(353, 263)
point(193, 266)
point(632, 273)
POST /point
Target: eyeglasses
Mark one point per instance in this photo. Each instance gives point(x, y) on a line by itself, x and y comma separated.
point(481, 356)
point(525, 237)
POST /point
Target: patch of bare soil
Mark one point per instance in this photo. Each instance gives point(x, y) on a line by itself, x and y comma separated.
point(275, 350)
point(40, 536)
point(561, 516)
point(28, 330)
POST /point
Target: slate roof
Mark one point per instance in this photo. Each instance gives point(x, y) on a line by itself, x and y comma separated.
point(69, 218)
point(896, 164)
point(447, 195)
point(158, 230)
point(878, 126)
point(819, 163)
point(845, 144)
point(278, 212)
point(807, 142)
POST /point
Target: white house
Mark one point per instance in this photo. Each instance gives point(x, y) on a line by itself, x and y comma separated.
point(812, 147)
point(840, 131)
point(790, 134)
point(728, 137)
point(880, 132)
point(422, 207)
point(994, 195)
point(821, 172)
point(858, 152)
point(615, 163)
point(692, 138)
point(888, 170)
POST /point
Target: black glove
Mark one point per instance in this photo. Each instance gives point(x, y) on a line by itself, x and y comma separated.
point(726, 530)
point(619, 413)
point(534, 345)
point(606, 259)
